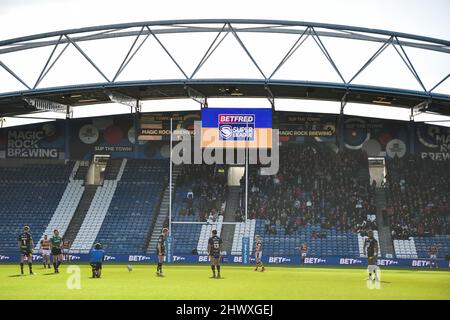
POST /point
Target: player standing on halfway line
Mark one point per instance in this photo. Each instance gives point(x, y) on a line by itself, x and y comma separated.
point(433, 256)
point(303, 253)
point(26, 246)
point(258, 253)
point(161, 251)
point(45, 251)
point(215, 246)
point(65, 250)
point(371, 250)
point(55, 244)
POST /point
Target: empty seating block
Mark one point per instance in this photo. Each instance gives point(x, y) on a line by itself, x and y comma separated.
point(29, 196)
point(66, 208)
point(241, 230)
point(131, 211)
point(405, 249)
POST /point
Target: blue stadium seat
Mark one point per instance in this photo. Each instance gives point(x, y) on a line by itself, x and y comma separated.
point(132, 209)
point(29, 196)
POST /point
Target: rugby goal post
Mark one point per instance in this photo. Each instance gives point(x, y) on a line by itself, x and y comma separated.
point(245, 243)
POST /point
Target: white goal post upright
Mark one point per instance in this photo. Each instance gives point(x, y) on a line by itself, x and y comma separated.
point(246, 176)
point(245, 249)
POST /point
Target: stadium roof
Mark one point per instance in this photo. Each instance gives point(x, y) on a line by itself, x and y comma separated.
point(202, 59)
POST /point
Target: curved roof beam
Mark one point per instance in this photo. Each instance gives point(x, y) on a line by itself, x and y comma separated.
point(181, 26)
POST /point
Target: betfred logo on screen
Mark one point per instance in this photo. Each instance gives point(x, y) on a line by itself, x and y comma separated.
point(236, 118)
point(236, 127)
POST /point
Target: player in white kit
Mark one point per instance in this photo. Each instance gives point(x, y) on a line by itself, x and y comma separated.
point(258, 253)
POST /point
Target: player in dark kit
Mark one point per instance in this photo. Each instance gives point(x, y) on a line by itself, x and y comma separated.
point(303, 253)
point(371, 250)
point(161, 251)
point(26, 246)
point(215, 246)
point(56, 243)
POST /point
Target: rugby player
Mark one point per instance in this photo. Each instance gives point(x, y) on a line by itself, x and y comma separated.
point(45, 251)
point(433, 251)
point(371, 250)
point(65, 250)
point(258, 253)
point(161, 251)
point(303, 253)
point(215, 246)
point(55, 244)
point(26, 246)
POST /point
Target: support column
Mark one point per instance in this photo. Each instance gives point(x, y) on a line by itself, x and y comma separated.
point(412, 136)
point(136, 129)
point(340, 126)
point(67, 139)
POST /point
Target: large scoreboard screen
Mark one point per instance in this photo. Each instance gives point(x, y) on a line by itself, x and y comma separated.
point(236, 128)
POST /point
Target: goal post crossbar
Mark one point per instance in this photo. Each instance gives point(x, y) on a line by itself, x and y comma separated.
point(206, 223)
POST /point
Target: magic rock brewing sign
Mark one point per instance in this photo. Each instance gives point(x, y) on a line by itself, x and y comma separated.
point(156, 127)
point(433, 142)
point(35, 143)
point(307, 126)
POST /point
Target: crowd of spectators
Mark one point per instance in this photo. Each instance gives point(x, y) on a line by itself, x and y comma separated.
point(314, 185)
point(418, 197)
point(206, 194)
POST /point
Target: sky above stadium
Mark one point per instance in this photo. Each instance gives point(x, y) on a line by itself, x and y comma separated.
point(427, 18)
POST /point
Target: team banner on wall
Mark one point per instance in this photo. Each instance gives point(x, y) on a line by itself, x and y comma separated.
point(377, 137)
point(236, 128)
point(102, 135)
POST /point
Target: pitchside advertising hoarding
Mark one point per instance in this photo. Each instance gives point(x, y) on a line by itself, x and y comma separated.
point(235, 259)
point(236, 128)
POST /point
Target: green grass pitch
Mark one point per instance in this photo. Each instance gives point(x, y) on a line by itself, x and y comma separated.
point(239, 282)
